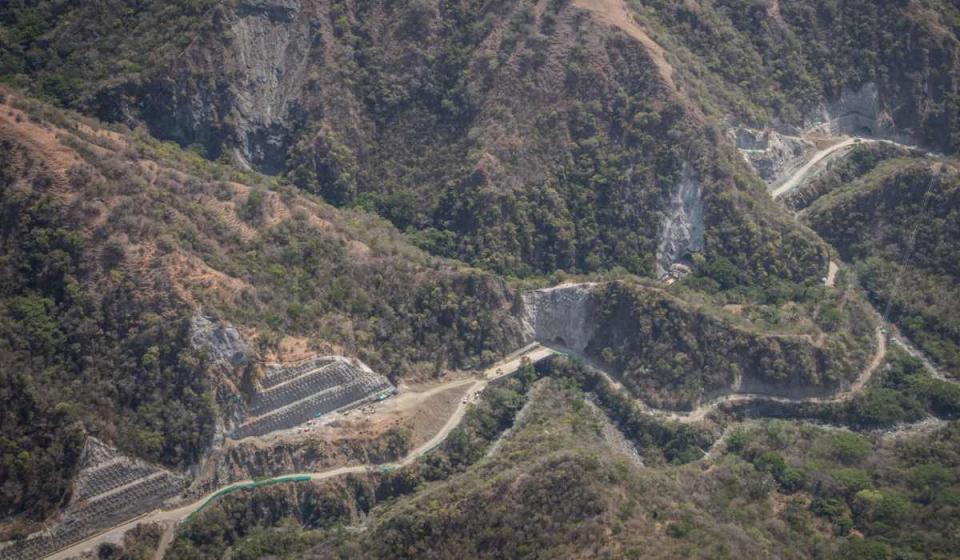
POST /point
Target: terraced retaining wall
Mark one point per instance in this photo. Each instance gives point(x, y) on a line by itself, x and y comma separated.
point(292, 395)
point(109, 489)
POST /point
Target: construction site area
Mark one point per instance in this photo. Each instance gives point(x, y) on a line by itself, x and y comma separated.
point(290, 395)
point(113, 493)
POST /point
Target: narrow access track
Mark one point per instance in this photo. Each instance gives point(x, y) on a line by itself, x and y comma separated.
point(508, 366)
point(866, 374)
point(818, 157)
point(831, 278)
point(803, 173)
point(701, 412)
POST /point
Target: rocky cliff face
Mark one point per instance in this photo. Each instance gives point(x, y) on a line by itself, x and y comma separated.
point(271, 43)
point(682, 226)
point(222, 341)
point(564, 315)
point(862, 112)
point(237, 89)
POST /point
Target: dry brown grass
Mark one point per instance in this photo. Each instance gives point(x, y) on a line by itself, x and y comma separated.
point(42, 140)
point(191, 279)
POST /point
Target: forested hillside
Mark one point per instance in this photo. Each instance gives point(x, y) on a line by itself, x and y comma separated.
point(560, 485)
point(479, 279)
point(673, 354)
point(899, 221)
point(110, 244)
point(777, 61)
point(523, 137)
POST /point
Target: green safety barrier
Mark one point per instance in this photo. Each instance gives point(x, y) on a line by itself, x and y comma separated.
point(249, 485)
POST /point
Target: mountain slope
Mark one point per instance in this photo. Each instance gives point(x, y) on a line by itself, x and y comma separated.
point(522, 137)
point(110, 245)
point(562, 485)
point(899, 221)
point(884, 68)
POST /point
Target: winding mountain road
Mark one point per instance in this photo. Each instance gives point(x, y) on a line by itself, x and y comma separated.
point(701, 412)
point(804, 172)
point(866, 374)
point(534, 352)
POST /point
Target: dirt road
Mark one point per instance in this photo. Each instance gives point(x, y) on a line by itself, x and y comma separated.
point(802, 173)
point(699, 413)
point(897, 337)
point(831, 279)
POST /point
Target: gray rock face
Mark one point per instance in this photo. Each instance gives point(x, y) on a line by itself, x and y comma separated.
point(238, 89)
point(858, 112)
point(564, 314)
point(271, 44)
point(773, 155)
point(223, 342)
point(681, 230)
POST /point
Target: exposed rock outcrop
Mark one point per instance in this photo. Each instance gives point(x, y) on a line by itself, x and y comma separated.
point(565, 314)
point(272, 47)
point(859, 112)
point(223, 342)
point(681, 231)
point(237, 90)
